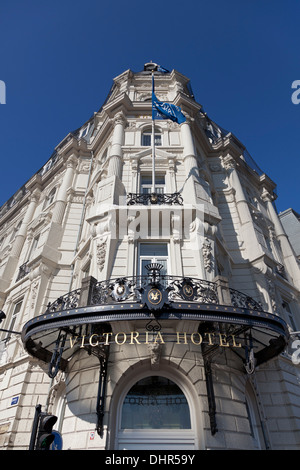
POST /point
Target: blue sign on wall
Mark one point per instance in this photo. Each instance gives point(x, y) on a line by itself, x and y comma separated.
point(14, 400)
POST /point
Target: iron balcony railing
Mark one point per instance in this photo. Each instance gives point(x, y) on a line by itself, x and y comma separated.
point(133, 289)
point(154, 198)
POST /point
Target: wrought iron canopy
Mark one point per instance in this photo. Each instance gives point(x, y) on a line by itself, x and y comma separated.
point(150, 300)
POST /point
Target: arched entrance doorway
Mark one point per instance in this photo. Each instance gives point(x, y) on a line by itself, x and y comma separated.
point(155, 414)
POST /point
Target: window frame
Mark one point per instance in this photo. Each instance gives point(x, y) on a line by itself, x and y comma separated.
point(12, 320)
point(152, 258)
point(147, 134)
point(254, 418)
point(170, 383)
point(192, 439)
point(50, 198)
point(146, 188)
point(288, 313)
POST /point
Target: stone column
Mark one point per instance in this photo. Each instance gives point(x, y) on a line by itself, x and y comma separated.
point(115, 159)
point(248, 234)
point(21, 235)
point(189, 154)
point(51, 253)
point(13, 259)
point(61, 201)
point(134, 175)
point(190, 164)
point(287, 251)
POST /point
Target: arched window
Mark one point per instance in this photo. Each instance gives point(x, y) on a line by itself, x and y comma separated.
point(155, 414)
point(155, 403)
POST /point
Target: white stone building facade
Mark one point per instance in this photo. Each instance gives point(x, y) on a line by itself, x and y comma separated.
point(216, 370)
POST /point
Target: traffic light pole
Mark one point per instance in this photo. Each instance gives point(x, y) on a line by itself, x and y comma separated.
point(38, 410)
point(41, 434)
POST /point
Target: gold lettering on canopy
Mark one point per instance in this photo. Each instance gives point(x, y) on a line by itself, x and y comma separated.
point(138, 338)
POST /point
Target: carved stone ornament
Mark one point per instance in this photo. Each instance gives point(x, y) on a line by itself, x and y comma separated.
point(229, 163)
point(119, 118)
point(34, 291)
point(101, 253)
point(143, 96)
point(272, 293)
point(207, 254)
point(214, 167)
point(155, 354)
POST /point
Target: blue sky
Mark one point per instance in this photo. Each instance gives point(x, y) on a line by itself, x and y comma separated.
point(58, 60)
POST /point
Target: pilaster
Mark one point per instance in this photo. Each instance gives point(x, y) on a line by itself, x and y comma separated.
point(116, 155)
point(287, 251)
point(248, 235)
point(13, 258)
point(62, 196)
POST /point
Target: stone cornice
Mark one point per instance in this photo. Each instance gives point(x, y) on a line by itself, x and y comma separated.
point(268, 186)
point(123, 78)
point(34, 183)
point(121, 103)
point(187, 104)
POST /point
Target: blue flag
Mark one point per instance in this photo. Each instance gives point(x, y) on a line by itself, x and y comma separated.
point(161, 110)
point(162, 69)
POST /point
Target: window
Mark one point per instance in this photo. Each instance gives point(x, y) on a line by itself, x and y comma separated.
point(147, 138)
point(85, 271)
point(15, 231)
point(33, 247)
point(46, 167)
point(23, 271)
point(49, 164)
point(50, 198)
point(84, 131)
point(146, 184)
point(153, 253)
point(289, 315)
point(13, 320)
point(268, 244)
point(255, 423)
point(155, 403)
point(155, 413)
point(250, 197)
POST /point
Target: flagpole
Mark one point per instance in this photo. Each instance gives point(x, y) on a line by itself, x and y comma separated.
point(153, 158)
point(153, 143)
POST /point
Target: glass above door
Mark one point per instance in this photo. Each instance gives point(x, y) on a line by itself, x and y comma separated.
point(153, 253)
point(155, 403)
